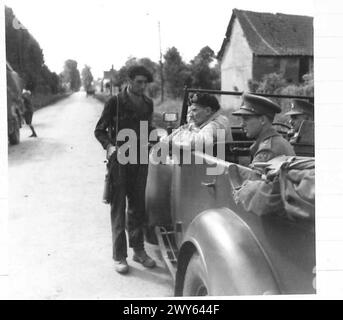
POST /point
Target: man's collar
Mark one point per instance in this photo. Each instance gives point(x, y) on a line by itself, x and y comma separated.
point(213, 116)
point(130, 92)
point(270, 132)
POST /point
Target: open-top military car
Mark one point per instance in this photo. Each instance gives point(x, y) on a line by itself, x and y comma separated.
point(210, 243)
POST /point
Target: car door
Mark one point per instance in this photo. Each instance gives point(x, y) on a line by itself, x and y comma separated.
point(288, 245)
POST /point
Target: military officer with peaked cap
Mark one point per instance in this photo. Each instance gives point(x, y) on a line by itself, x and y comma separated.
point(257, 115)
point(301, 110)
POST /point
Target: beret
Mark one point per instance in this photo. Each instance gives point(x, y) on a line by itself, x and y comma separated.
point(205, 100)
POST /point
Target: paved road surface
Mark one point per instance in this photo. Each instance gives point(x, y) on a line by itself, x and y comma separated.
point(59, 231)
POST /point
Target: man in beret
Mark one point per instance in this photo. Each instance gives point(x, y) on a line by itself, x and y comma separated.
point(127, 181)
point(301, 110)
point(204, 121)
point(257, 115)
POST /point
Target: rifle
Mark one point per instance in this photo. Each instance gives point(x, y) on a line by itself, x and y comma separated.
point(106, 196)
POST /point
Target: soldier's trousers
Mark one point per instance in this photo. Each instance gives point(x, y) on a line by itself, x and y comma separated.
point(128, 209)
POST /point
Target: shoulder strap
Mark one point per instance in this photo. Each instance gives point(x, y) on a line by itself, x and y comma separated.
point(117, 120)
point(111, 127)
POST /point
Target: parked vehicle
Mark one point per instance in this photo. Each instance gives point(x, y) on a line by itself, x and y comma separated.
point(14, 105)
point(210, 244)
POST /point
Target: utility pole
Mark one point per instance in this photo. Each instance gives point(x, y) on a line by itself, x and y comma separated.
point(161, 63)
point(111, 80)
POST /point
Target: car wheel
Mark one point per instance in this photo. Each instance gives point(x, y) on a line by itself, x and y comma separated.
point(195, 283)
point(14, 137)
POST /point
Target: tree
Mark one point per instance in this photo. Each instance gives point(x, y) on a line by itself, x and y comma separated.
point(275, 83)
point(25, 56)
point(202, 74)
point(176, 72)
point(153, 67)
point(122, 73)
point(271, 83)
point(215, 76)
point(71, 75)
point(87, 77)
point(154, 88)
point(49, 82)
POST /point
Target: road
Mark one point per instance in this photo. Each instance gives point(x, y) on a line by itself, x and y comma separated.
point(59, 230)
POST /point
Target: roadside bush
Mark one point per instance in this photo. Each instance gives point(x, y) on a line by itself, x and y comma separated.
point(274, 83)
point(42, 100)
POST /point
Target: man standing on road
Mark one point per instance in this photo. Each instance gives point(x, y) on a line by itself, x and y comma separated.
point(127, 181)
point(257, 115)
point(28, 111)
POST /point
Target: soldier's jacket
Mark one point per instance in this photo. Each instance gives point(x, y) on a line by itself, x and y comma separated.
point(270, 145)
point(289, 190)
point(130, 115)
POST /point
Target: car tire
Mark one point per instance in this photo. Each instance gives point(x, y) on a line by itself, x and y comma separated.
point(196, 281)
point(14, 137)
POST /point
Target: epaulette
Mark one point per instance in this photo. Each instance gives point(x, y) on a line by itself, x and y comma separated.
point(266, 144)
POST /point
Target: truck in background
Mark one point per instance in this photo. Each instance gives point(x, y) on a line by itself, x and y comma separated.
point(15, 107)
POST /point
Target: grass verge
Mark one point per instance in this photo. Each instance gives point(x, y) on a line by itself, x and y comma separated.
point(40, 101)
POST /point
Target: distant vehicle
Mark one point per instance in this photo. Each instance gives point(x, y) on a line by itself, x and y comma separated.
point(15, 107)
point(90, 91)
point(210, 244)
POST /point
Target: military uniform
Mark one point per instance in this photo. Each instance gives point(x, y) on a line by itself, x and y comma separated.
point(269, 144)
point(254, 193)
point(299, 108)
point(129, 180)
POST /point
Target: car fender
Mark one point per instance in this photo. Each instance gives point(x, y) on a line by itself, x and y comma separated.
point(234, 260)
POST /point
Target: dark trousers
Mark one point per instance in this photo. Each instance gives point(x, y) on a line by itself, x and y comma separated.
point(131, 192)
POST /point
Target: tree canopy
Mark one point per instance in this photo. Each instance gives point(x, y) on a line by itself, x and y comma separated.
point(71, 75)
point(173, 74)
point(87, 77)
point(202, 74)
point(26, 57)
point(176, 72)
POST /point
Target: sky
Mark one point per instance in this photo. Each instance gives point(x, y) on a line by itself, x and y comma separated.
point(103, 33)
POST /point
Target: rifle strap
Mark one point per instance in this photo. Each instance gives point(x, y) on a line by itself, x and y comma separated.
point(117, 122)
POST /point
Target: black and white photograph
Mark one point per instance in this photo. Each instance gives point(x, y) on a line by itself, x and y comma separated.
point(168, 149)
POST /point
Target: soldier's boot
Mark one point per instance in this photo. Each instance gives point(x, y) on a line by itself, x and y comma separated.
point(142, 257)
point(121, 266)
